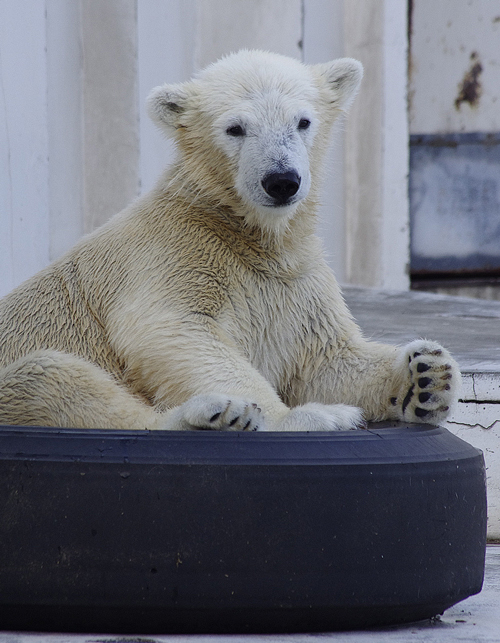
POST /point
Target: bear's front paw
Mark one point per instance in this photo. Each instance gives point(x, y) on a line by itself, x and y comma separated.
point(430, 381)
point(215, 412)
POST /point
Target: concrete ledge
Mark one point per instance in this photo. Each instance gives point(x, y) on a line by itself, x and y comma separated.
point(470, 329)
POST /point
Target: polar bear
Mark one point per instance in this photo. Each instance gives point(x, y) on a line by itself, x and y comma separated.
point(207, 304)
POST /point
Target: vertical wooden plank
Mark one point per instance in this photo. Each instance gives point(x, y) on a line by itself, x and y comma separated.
point(377, 147)
point(64, 124)
point(395, 243)
point(24, 200)
point(225, 26)
point(363, 38)
point(111, 120)
point(166, 36)
point(323, 40)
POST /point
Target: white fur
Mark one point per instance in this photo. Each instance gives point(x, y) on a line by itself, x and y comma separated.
point(205, 304)
point(267, 95)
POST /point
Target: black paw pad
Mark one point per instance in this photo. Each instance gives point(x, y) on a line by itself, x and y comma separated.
point(421, 368)
point(424, 381)
point(421, 413)
point(424, 397)
point(234, 420)
point(394, 401)
point(215, 417)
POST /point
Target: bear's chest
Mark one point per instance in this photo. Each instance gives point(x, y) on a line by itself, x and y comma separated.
point(278, 324)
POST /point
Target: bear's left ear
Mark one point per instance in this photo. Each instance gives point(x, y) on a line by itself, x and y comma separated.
point(343, 76)
point(166, 105)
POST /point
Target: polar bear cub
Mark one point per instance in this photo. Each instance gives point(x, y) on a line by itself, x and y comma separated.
point(207, 304)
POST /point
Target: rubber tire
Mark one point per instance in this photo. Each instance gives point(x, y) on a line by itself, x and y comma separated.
point(123, 532)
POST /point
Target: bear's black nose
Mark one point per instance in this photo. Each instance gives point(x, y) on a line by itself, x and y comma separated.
point(281, 186)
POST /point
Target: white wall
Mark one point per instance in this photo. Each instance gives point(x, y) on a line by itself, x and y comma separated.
point(76, 145)
point(377, 237)
point(165, 44)
point(63, 63)
point(69, 126)
point(110, 108)
point(24, 152)
point(323, 39)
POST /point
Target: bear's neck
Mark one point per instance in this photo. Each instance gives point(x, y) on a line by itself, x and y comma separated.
point(221, 212)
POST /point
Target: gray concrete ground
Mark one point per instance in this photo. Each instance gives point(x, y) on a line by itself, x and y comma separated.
point(469, 328)
point(475, 620)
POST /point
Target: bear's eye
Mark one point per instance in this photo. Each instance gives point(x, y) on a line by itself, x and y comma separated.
point(304, 123)
point(235, 130)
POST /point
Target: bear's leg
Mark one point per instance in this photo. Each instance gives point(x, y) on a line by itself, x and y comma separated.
point(49, 388)
point(322, 417)
point(418, 382)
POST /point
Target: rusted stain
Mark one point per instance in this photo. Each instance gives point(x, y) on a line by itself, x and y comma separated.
point(410, 36)
point(469, 91)
point(410, 20)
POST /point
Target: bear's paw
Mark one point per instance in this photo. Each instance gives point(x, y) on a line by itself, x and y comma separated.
point(430, 379)
point(215, 412)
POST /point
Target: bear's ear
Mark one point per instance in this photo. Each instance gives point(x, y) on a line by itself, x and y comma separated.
point(166, 105)
point(343, 77)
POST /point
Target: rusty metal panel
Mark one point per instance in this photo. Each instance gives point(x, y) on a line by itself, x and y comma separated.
point(455, 203)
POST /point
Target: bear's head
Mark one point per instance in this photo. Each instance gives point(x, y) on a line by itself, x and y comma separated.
point(253, 127)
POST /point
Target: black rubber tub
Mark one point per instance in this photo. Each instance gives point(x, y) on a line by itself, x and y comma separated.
point(126, 532)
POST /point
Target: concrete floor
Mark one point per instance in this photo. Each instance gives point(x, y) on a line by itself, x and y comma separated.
point(475, 620)
point(469, 328)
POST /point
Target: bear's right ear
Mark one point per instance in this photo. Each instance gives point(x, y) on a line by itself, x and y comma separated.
point(343, 77)
point(166, 105)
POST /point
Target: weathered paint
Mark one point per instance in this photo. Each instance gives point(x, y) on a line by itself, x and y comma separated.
point(454, 66)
